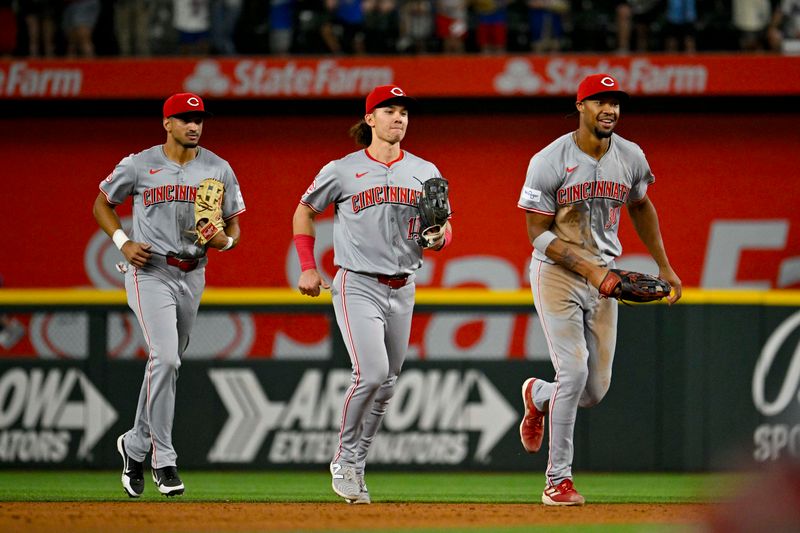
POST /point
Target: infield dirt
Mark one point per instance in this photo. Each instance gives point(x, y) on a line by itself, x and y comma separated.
point(140, 517)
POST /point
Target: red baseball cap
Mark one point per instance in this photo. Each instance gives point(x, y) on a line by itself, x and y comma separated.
point(600, 83)
point(183, 103)
point(381, 96)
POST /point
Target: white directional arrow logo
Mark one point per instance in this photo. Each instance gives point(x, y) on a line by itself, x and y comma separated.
point(251, 415)
point(493, 416)
point(94, 415)
point(39, 397)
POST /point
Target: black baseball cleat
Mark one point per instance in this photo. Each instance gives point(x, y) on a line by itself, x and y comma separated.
point(132, 471)
point(168, 481)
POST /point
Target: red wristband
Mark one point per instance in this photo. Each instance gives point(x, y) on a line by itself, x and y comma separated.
point(305, 251)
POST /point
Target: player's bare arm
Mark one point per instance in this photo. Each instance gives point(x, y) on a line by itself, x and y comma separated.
point(136, 253)
point(561, 252)
point(645, 222)
point(232, 230)
point(310, 280)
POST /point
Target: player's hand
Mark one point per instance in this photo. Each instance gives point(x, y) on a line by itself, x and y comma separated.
point(596, 276)
point(669, 275)
point(438, 243)
point(219, 241)
point(136, 253)
point(310, 282)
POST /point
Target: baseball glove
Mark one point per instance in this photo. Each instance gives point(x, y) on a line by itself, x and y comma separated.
point(208, 209)
point(433, 212)
point(633, 286)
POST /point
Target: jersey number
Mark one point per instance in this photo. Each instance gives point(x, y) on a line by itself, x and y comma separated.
point(613, 217)
point(413, 228)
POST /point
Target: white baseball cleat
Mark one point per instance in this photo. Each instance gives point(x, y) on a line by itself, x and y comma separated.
point(363, 497)
point(345, 481)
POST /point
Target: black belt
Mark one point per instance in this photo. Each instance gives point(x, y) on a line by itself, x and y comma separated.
point(187, 265)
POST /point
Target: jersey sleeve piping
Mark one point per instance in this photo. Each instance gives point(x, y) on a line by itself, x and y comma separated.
point(638, 200)
point(550, 213)
point(308, 205)
point(235, 214)
point(107, 198)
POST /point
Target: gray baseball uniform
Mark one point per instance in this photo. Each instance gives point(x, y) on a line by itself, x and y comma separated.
point(374, 236)
point(165, 294)
point(585, 197)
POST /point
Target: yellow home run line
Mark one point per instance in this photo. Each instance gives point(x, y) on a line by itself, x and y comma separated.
point(437, 297)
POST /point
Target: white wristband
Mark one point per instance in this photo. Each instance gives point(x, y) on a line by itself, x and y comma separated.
point(227, 246)
point(543, 240)
point(119, 238)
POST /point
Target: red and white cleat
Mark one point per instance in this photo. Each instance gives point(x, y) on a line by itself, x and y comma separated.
point(531, 429)
point(562, 494)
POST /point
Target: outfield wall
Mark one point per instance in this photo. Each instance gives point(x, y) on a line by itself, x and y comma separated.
point(695, 387)
point(705, 385)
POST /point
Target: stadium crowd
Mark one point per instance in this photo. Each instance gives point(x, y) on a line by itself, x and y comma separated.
point(86, 28)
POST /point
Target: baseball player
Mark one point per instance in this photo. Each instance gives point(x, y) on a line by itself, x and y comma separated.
point(167, 272)
point(375, 192)
point(573, 194)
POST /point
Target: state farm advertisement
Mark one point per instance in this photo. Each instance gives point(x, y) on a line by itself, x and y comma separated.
point(434, 76)
point(726, 193)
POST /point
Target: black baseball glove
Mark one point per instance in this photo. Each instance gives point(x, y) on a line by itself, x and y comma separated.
point(433, 212)
point(633, 286)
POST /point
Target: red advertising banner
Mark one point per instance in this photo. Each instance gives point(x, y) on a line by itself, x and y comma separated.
point(726, 192)
point(425, 76)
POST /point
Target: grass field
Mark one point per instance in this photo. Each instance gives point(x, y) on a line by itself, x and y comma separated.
point(37, 501)
point(384, 486)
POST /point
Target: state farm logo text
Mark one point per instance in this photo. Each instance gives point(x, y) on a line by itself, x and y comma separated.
point(262, 78)
point(24, 80)
point(561, 76)
point(780, 438)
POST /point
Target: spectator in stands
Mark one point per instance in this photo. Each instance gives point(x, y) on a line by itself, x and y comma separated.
point(344, 30)
point(593, 26)
point(132, 26)
point(492, 30)
point(8, 28)
point(224, 17)
point(784, 30)
point(308, 33)
point(416, 26)
point(681, 22)
point(752, 18)
point(381, 26)
point(281, 26)
point(78, 20)
point(546, 24)
point(40, 21)
point(638, 15)
point(451, 25)
point(191, 19)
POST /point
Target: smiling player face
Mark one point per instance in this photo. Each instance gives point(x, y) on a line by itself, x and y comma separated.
point(599, 115)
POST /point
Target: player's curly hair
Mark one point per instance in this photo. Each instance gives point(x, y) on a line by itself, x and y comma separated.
point(361, 132)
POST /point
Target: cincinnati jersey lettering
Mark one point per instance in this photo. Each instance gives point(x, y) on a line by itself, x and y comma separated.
point(385, 194)
point(169, 193)
point(592, 189)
